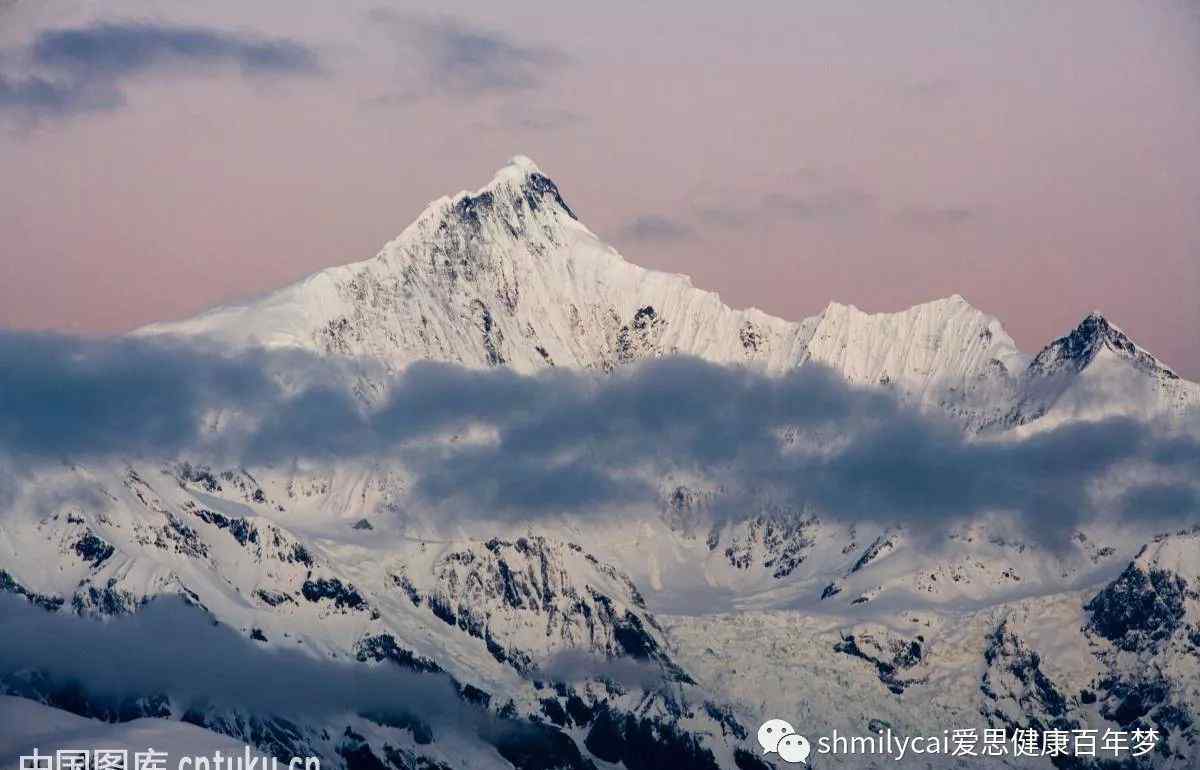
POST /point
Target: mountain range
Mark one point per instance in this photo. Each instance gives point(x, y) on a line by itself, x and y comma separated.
point(571, 643)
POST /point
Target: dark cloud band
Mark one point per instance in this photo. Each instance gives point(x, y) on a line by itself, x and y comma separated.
point(579, 443)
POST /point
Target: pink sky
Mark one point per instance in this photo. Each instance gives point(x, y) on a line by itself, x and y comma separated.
point(1038, 158)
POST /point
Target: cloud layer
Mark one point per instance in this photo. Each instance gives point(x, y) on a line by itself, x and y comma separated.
point(584, 444)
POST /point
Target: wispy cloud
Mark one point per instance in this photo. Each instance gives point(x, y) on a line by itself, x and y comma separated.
point(71, 71)
point(653, 228)
point(806, 194)
point(819, 204)
point(463, 59)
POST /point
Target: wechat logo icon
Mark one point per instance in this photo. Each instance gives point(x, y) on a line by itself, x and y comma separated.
point(777, 736)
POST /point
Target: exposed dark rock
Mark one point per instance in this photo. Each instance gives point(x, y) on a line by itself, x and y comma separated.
point(579, 711)
point(200, 475)
point(878, 548)
point(1135, 700)
point(554, 711)
point(889, 657)
point(632, 637)
point(639, 338)
point(723, 716)
point(9, 585)
point(357, 753)
point(404, 719)
point(409, 589)
point(384, 647)
point(781, 536)
point(91, 548)
point(537, 187)
point(273, 598)
point(301, 555)
point(645, 744)
point(106, 600)
point(475, 696)
point(332, 589)
point(540, 747)
point(1019, 695)
point(1139, 608)
point(747, 761)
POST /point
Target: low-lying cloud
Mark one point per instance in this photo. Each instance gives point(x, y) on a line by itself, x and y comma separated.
point(201, 664)
point(579, 443)
point(573, 666)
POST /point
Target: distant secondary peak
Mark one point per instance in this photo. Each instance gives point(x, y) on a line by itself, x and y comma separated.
point(1080, 346)
point(1093, 334)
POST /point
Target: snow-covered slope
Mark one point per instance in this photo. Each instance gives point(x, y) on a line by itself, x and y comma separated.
point(942, 354)
point(505, 275)
point(489, 619)
point(1122, 656)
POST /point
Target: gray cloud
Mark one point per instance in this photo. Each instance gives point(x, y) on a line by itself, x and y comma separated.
point(576, 665)
point(124, 49)
point(819, 204)
point(40, 97)
point(654, 229)
point(586, 444)
point(112, 661)
point(71, 71)
point(467, 60)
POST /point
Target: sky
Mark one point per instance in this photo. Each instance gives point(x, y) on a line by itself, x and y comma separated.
point(1038, 158)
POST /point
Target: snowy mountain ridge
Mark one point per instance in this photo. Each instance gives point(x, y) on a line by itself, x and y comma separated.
point(508, 275)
